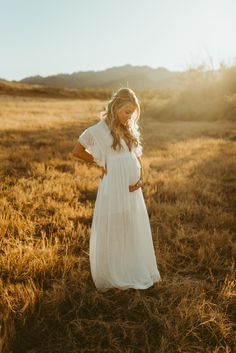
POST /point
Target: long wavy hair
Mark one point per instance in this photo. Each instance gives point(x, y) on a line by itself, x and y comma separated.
point(131, 131)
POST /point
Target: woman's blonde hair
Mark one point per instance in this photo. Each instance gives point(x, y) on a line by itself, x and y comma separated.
point(131, 131)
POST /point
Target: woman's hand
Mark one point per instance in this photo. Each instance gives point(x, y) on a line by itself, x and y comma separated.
point(136, 185)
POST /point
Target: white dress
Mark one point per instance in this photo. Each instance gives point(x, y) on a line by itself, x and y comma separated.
point(121, 248)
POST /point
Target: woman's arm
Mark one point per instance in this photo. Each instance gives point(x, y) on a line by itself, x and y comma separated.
point(79, 152)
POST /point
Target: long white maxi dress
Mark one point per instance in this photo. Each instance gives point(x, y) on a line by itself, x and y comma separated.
point(121, 248)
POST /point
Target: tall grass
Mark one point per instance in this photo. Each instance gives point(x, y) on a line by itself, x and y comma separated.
point(48, 302)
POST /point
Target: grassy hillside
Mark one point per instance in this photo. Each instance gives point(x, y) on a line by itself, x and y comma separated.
point(139, 77)
point(204, 96)
point(48, 302)
point(37, 90)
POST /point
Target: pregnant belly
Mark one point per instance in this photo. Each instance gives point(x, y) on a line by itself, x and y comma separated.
point(134, 170)
point(122, 170)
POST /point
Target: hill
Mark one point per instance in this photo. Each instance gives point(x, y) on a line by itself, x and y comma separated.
point(137, 77)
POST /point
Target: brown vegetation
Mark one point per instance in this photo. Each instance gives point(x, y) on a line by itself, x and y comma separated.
point(48, 302)
point(35, 90)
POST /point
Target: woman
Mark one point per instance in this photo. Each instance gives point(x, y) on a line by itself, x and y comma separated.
point(121, 247)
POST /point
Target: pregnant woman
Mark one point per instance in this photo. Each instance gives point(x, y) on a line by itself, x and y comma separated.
point(121, 248)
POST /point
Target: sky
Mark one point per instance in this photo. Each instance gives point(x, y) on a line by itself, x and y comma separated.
point(48, 37)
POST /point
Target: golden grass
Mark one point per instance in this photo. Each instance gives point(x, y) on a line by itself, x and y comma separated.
point(10, 88)
point(48, 300)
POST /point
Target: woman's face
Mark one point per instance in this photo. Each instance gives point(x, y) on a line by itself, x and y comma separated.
point(124, 114)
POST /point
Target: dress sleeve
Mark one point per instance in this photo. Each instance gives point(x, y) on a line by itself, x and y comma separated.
point(92, 146)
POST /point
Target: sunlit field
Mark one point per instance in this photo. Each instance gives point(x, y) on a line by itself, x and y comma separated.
point(48, 301)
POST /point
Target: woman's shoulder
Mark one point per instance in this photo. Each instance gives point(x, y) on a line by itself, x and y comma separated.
point(93, 129)
point(100, 131)
point(99, 125)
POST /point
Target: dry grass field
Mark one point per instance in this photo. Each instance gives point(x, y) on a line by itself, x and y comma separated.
point(48, 302)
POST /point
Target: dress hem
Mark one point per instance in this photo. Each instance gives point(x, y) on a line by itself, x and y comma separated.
point(104, 289)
